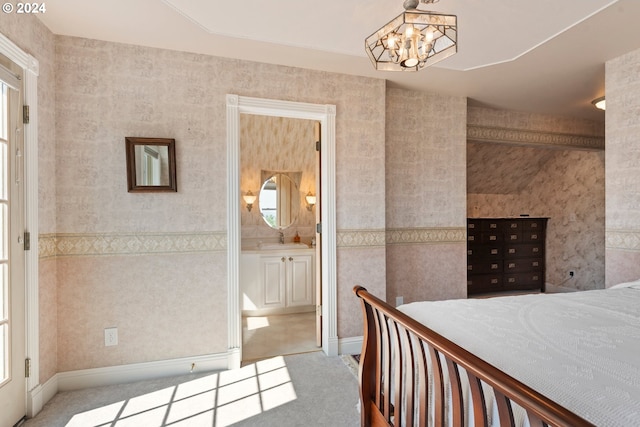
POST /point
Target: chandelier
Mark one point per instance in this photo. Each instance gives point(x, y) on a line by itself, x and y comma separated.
point(413, 40)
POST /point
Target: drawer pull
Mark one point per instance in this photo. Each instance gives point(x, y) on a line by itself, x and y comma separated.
point(534, 237)
point(535, 277)
point(470, 252)
point(514, 237)
point(494, 266)
point(512, 250)
point(493, 238)
point(469, 267)
point(512, 280)
point(536, 250)
point(494, 252)
point(535, 264)
point(472, 238)
point(512, 265)
point(472, 226)
point(514, 225)
point(493, 225)
point(494, 281)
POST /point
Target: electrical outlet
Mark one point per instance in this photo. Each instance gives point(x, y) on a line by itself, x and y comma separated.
point(399, 301)
point(110, 337)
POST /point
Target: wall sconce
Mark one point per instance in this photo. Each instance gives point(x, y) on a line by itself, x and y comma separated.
point(599, 103)
point(249, 199)
point(311, 201)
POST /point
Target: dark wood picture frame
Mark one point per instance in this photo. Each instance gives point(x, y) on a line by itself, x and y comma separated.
point(168, 182)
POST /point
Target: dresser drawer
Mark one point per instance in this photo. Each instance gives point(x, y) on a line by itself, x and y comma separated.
point(483, 267)
point(486, 252)
point(529, 250)
point(484, 283)
point(519, 265)
point(530, 280)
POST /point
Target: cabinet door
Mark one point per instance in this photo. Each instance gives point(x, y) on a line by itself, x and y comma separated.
point(273, 281)
point(300, 284)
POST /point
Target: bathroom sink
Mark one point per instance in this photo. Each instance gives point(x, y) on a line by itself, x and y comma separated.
point(283, 246)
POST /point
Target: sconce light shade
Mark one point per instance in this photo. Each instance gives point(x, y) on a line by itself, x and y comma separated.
point(599, 103)
point(311, 200)
point(249, 199)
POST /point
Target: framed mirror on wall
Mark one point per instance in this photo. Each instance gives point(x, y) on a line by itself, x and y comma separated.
point(151, 165)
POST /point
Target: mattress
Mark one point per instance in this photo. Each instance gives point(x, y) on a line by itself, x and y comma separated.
point(579, 349)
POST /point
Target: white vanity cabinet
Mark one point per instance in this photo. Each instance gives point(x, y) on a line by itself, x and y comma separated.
point(277, 281)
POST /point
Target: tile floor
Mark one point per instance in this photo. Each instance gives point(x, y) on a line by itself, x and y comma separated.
point(268, 336)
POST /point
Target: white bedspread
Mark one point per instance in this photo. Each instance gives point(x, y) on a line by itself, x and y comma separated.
point(580, 349)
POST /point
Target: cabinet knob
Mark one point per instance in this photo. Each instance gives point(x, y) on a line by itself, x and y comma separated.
point(290, 259)
point(282, 259)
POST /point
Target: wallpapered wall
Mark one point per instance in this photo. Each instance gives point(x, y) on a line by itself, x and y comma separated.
point(425, 201)
point(567, 186)
point(623, 169)
point(154, 265)
point(277, 144)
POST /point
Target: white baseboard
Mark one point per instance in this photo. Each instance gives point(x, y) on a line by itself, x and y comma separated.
point(74, 380)
point(351, 345)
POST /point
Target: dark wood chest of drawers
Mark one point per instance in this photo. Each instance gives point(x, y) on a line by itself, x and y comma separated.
point(505, 254)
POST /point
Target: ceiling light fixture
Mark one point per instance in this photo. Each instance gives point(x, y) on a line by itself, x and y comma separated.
point(413, 40)
point(599, 103)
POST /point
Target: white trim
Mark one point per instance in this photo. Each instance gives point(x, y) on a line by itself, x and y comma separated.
point(30, 66)
point(326, 115)
point(74, 380)
point(351, 345)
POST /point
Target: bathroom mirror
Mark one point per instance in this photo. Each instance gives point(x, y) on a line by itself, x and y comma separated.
point(279, 201)
point(151, 165)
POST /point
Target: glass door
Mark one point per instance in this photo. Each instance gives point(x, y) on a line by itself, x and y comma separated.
point(12, 284)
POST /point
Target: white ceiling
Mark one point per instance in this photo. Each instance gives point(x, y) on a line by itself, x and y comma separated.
point(543, 56)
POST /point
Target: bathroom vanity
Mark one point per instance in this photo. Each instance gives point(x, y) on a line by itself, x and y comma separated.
point(277, 279)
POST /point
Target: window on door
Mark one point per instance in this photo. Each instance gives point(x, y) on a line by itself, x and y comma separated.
point(4, 236)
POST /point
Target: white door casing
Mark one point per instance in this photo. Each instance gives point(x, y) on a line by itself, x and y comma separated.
point(30, 69)
point(325, 114)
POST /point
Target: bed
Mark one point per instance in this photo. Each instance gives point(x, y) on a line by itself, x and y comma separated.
point(532, 360)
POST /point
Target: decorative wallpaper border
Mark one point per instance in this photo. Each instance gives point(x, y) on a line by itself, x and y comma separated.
point(628, 240)
point(426, 235)
point(360, 238)
point(97, 244)
point(529, 137)
point(129, 243)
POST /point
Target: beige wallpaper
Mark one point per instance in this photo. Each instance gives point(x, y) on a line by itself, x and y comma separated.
point(283, 145)
point(623, 169)
point(426, 196)
point(106, 91)
point(565, 185)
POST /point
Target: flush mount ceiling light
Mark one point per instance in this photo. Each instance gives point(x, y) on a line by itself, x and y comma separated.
point(599, 103)
point(413, 40)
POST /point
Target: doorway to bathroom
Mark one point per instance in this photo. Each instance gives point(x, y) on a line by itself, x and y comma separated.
point(280, 256)
point(325, 114)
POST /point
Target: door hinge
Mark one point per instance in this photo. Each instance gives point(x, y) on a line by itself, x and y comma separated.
point(27, 367)
point(27, 241)
point(319, 228)
point(317, 145)
point(25, 114)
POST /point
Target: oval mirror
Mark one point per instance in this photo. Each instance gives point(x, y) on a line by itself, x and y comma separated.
point(279, 201)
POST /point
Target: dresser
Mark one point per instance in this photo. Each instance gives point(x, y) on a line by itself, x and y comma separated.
point(505, 254)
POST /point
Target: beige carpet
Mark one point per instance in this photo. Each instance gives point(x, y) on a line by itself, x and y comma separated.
point(299, 390)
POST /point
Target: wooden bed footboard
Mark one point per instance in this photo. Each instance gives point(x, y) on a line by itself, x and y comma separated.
point(412, 376)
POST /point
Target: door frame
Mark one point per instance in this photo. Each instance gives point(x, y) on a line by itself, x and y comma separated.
point(326, 115)
point(30, 67)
